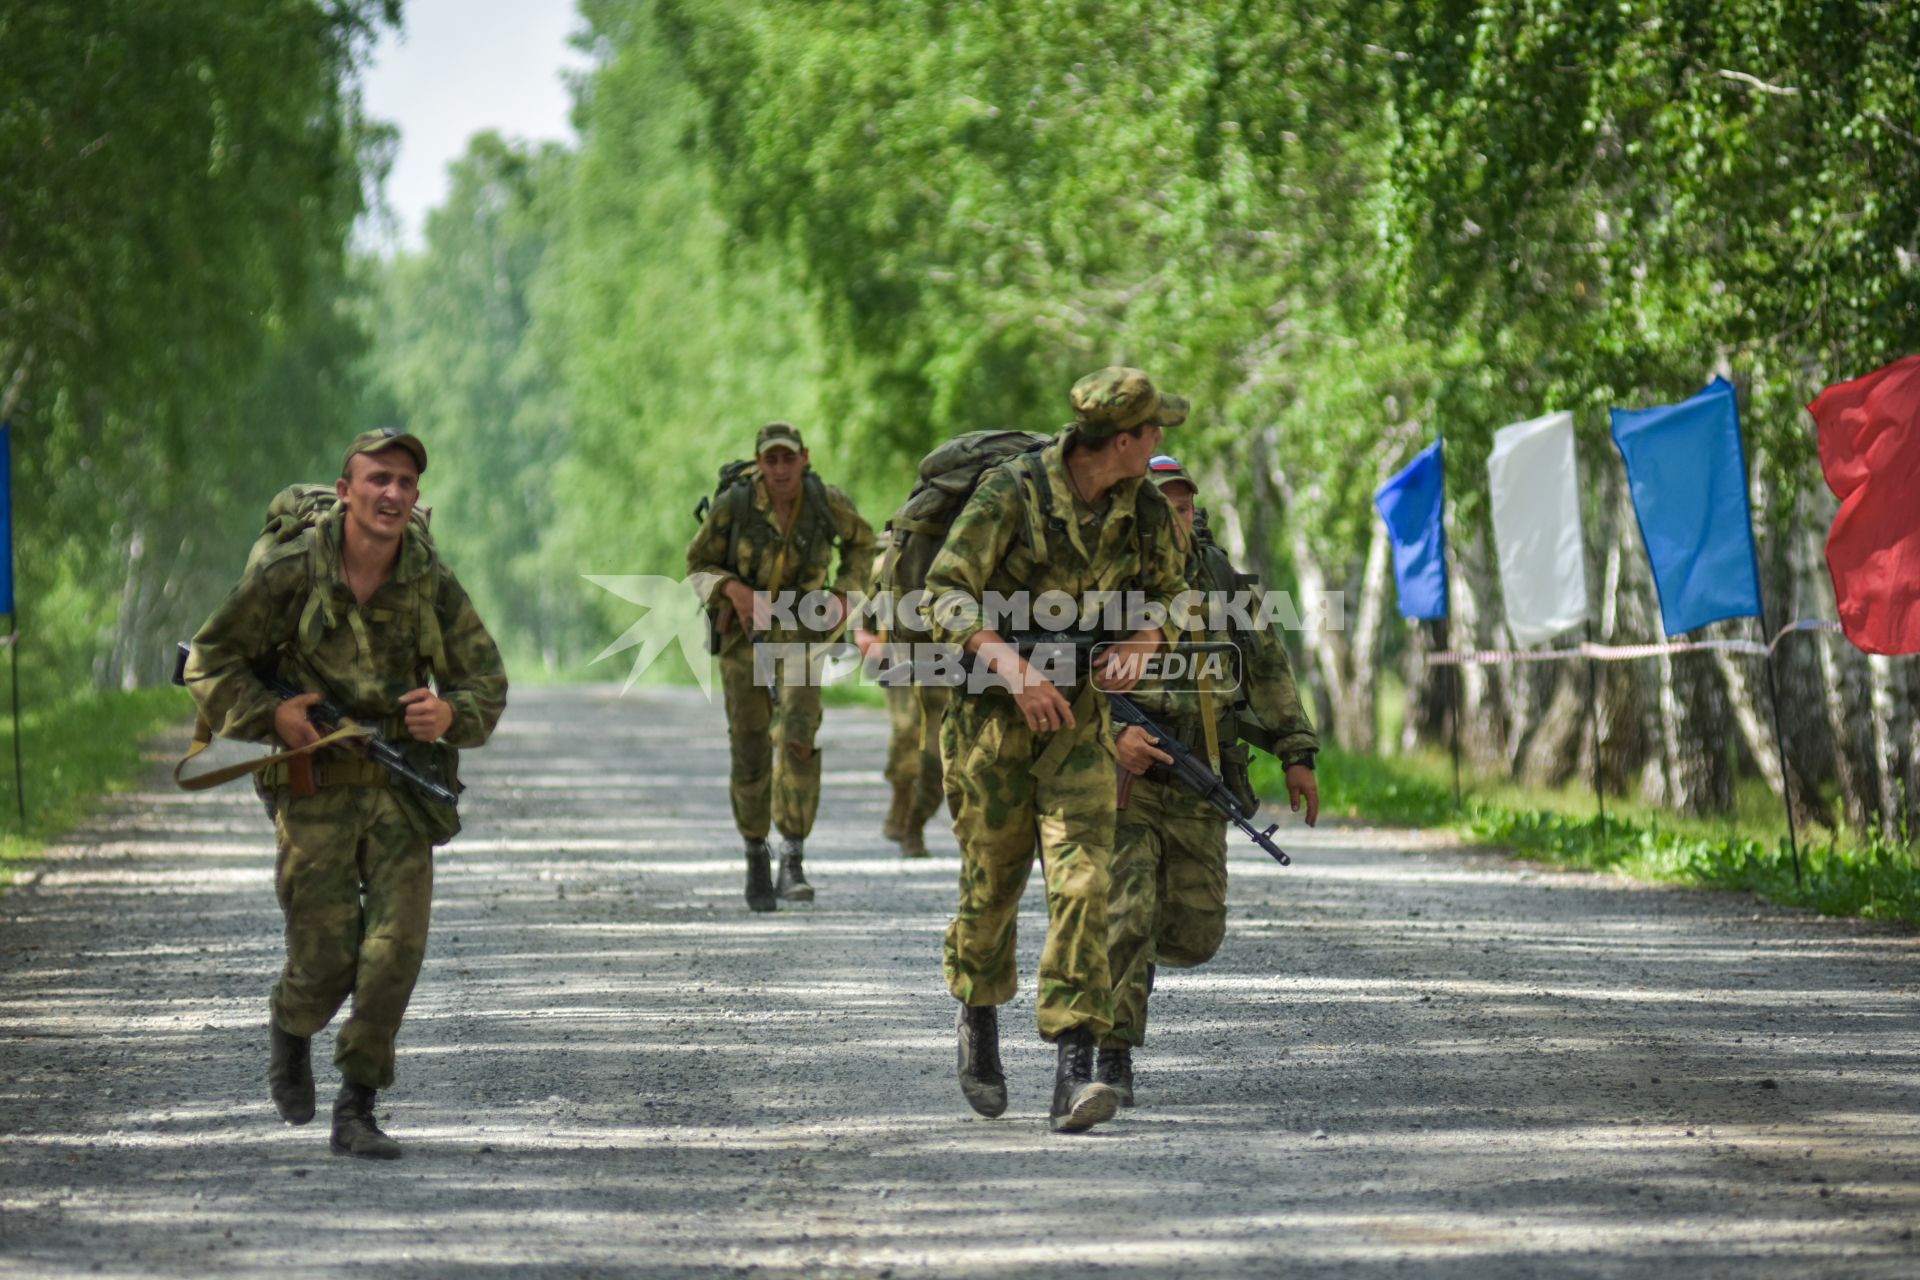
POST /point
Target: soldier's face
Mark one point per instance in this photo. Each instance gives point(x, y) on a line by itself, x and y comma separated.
point(379, 492)
point(1180, 498)
point(783, 469)
point(1135, 451)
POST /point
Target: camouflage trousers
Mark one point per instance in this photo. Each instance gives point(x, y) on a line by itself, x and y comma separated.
point(775, 779)
point(1003, 812)
point(355, 883)
point(913, 752)
point(1168, 900)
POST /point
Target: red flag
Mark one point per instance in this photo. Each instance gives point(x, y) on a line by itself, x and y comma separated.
point(1870, 451)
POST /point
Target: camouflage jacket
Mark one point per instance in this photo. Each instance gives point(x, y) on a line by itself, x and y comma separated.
point(1266, 710)
point(756, 551)
point(294, 614)
point(1011, 539)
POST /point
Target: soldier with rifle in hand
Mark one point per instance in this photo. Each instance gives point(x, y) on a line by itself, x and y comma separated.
point(346, 600)
point(1029, 766)
point(1167, 903)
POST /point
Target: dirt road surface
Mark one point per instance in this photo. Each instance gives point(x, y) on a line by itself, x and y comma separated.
point(1408, 1059)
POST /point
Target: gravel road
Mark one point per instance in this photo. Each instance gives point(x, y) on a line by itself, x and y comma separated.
point(1407, 1058)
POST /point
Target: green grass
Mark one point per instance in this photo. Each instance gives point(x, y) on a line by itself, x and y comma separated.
point(1842, 873)
point(75, 751)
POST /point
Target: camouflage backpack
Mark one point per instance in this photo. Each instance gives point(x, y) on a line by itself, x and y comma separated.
point(948, 477)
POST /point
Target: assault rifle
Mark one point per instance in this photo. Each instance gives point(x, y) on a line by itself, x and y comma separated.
point(1193, 774)
point(329, 719)
point(1187, 769)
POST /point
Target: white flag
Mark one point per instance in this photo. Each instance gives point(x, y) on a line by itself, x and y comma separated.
point(1536, 527)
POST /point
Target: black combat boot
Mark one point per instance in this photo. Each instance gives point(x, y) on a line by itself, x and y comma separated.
point(760, 877)
point(793, 884)
point(981, 1077)
point(1114, 1068)
point(354, 1132)
point(1079, 1101)
point(289, 1074)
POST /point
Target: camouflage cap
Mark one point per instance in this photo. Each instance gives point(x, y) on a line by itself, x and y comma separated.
point(1164, 469)
point(1119, 399)
point(778, 435)
point(385, 438)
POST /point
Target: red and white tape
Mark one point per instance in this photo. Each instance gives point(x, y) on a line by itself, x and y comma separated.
point(1623, 652)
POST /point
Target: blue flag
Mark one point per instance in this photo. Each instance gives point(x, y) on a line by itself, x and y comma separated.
point(6, 518)
point(1411, 503)
point(1687, 472)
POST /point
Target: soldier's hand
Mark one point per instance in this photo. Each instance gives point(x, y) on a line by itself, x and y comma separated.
point(1302, 788)
point(839, 609)
point(291, 723)
point(428, 716)
point(867, 642)
point(740, 596)
point(1136, 750)
point(1040, 702)
point(1124, 663)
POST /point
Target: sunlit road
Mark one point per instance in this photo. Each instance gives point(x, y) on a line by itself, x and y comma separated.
point(1433, 1064)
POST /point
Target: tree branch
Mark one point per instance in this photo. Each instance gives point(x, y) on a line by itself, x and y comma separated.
point(1754, 82)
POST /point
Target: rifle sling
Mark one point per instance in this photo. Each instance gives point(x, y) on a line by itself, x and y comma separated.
point(203, 735)
point(1086, 717)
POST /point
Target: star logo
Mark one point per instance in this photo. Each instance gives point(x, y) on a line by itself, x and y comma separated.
point(673, 613)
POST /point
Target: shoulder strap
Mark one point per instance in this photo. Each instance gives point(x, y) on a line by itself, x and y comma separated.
point(428, 635)
point(316, 615)
point(1038, 518)
point(739, 498)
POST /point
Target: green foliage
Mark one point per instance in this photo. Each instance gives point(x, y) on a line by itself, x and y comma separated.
point(181, 182)
point(1868, 876)
point(75, 748)
point(456, 352)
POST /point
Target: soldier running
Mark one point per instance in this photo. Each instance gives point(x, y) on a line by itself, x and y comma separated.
point(1167, 904)
point(1033, 768)
point(776, 528)
point(360, 609)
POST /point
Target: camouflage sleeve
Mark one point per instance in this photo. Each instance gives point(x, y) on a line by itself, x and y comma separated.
point(976, 543)
point(857, 544)
point(1281, 727)
point(256, 618)
point(707, 567)
point(476, 678)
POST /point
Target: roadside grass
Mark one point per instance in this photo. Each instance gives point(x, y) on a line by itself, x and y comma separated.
point(1842, 872)
point(74, 751)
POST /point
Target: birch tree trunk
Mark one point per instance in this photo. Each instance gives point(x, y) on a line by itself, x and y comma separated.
point(1889, 747)
point(1483, 723)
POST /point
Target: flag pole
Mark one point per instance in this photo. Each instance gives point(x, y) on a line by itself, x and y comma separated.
point(9, 599)
point(19, 776)
point(1593, 712)
point(1453, 720)
point(1780, 745)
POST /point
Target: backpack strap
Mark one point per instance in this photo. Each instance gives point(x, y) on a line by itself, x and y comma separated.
point(1040, 516)
point(317, 615)
point(819, 512)
point(431, 641)
point(739, 498)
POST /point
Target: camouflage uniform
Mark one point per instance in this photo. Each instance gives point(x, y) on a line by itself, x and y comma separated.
point(775, 779)
point(354, 873)
point(913, 751)
point(1168, 900)
point(1012, 791)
